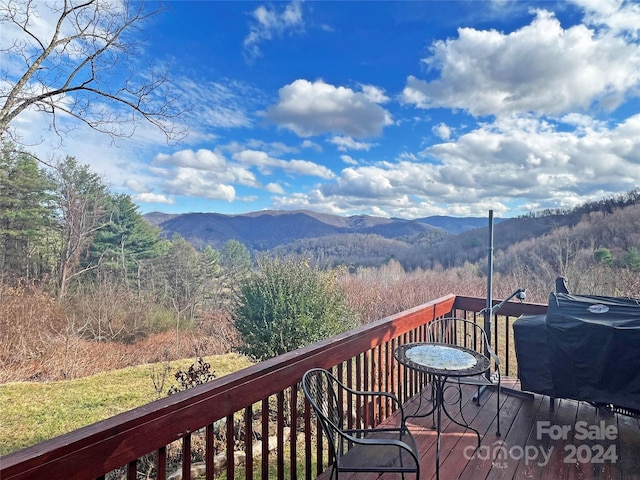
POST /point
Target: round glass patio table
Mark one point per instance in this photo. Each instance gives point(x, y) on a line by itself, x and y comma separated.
point(442, 361)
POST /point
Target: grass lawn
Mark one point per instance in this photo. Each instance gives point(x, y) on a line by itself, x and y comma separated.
point(33, 412)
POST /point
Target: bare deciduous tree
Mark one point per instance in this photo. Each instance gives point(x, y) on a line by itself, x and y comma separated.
point(82, 199)
point(76, 58)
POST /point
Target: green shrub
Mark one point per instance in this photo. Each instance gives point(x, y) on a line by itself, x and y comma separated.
point(288, 304)
point(603, 255)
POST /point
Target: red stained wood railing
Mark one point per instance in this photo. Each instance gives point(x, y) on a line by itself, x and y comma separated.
point(362, 357)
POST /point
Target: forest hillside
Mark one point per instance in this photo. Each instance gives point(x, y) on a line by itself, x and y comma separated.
point(88, 284)
point(430, 242)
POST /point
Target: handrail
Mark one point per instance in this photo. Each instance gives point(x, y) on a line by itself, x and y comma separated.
point(363, 357)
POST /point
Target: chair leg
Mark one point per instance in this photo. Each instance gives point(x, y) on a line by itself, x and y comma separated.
point(433, 400)
point(498, 433)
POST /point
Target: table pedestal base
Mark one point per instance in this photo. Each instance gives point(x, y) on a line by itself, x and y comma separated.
point(440, 405)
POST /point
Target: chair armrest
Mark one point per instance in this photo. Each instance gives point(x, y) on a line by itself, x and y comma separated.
point(372, 394)
point(388, 395)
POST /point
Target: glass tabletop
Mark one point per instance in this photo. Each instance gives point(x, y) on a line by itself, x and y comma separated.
point(441, 357)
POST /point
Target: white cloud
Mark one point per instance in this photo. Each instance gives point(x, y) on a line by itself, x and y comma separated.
point(153, 198)
point(348, 160)
point(368, 182)
point(191, 182)
point(314, 108)
point(273, 148)
point(202, 173)
point(311, 145)
point(374, 94)
point(313, 199)
point(580, 120)
point(619, 16)
point(267, 164)
point(348, 143)
point(203, 159)
point(135, 185)
point(442, 131)
point(540, 68)
point(519, 159)
point(209, 106)
point(269, 22)
point(305, 167)
point(274, 188)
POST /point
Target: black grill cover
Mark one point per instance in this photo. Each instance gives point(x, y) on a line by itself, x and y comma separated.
point(594, 348)
point(534, 365)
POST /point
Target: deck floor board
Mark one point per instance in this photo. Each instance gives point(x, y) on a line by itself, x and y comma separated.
point(529, 428)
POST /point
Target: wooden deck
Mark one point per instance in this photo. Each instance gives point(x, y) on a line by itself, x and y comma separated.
point(572, 440)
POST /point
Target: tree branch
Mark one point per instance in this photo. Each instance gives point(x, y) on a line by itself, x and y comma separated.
point(80, 63)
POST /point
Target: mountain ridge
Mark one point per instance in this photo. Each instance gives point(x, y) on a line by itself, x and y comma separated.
point(429, 242)
point(269, 229)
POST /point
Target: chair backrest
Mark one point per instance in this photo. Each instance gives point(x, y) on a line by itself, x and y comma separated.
point(459, 331)
point(322, 390)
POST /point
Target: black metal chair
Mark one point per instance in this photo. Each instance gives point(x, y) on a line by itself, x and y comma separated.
point(388, 449)
point(468, 334)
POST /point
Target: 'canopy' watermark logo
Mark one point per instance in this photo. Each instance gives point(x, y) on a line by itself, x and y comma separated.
point(499, 452)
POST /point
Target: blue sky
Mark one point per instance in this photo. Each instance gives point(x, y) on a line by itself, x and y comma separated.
point(403, 109)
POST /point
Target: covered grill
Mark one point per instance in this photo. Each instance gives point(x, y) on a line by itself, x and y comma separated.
point(587, 348)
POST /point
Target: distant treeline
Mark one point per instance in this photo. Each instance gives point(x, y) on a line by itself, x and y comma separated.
point(605, 205)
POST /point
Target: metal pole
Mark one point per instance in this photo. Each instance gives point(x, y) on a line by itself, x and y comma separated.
point(488, 312)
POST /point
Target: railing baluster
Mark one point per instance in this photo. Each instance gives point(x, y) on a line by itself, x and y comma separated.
point(161, 463)
point(293, 433)
point(393, 374)
point(507, 344)
point(367, 407)
point(387, 357)
point(379, 381)
point(358, 407)
point(265, 440)
point(340, 375)
point(307, 441)
point(248, 442)
point(230, 432)
point(186, 457)
point(280, 435)
point(209, 452)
